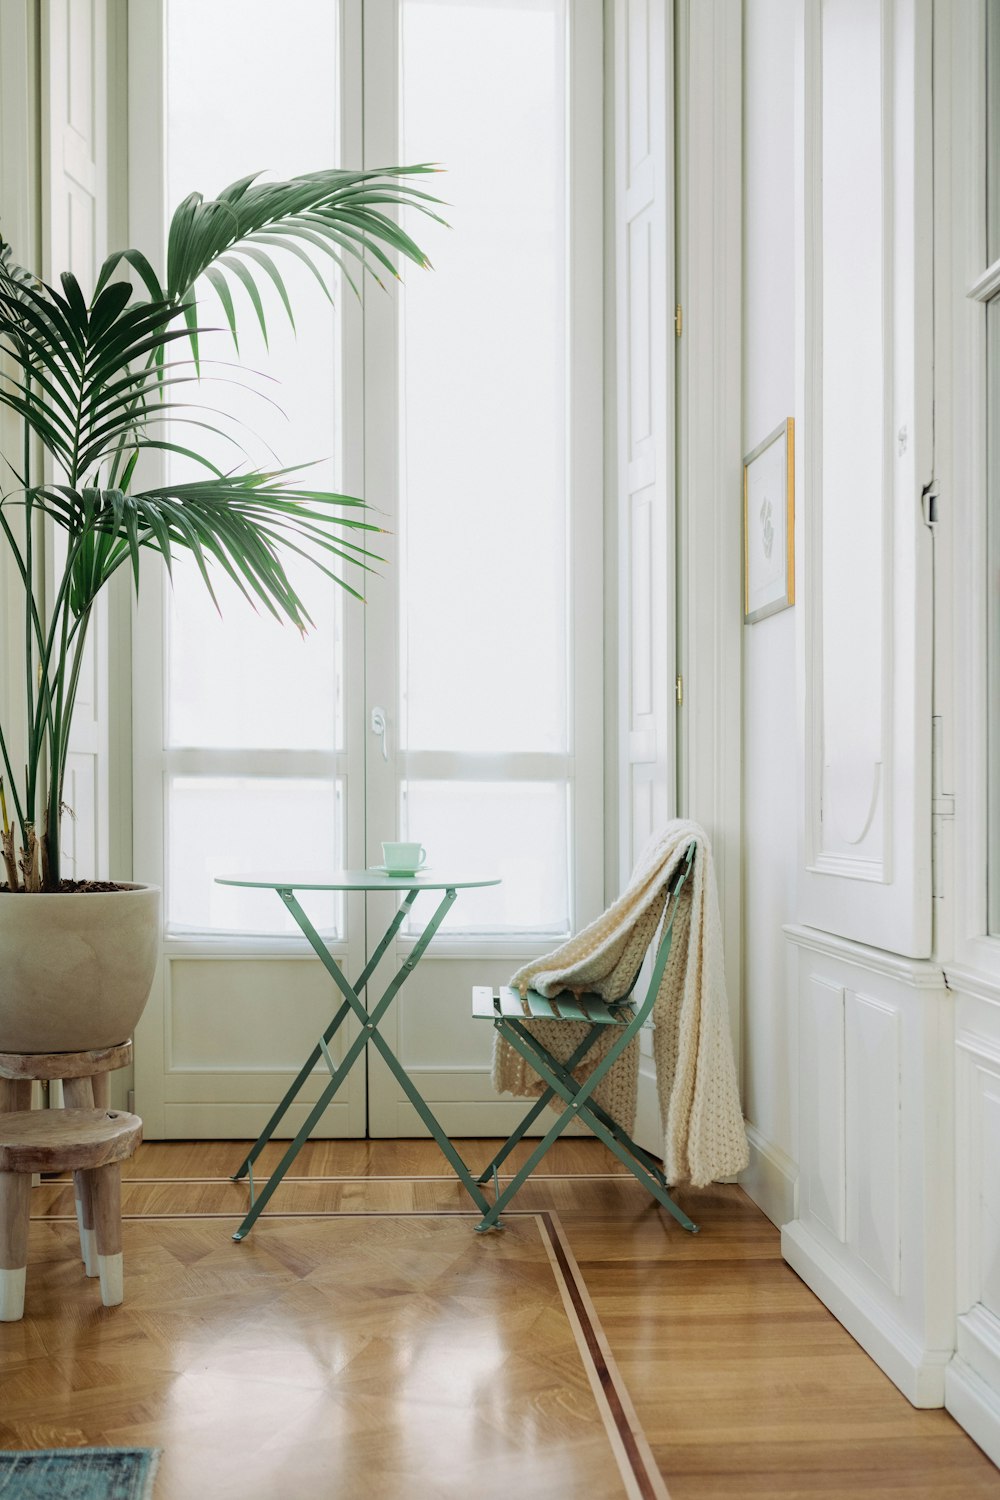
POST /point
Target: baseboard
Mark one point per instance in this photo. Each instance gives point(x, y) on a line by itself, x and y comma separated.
point(974, 1405)
point(972, 1380)
point(919, 1373)
point(771, 1179)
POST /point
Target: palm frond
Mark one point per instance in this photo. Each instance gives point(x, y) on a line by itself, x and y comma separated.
point(334, 211)
point(242, 522)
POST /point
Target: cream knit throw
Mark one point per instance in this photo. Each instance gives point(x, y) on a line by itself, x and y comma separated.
point(704, 1136)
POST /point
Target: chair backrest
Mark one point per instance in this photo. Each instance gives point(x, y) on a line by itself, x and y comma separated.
point(680, 874)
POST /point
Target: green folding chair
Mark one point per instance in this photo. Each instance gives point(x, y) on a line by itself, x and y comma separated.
point(511, 1013)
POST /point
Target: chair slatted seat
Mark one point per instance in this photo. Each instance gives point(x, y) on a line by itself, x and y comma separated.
point(509, 1011)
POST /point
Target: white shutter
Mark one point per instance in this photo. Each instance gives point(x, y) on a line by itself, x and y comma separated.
point(644, 279)
point(74, 238)
point(865, 454)
point(645, 382)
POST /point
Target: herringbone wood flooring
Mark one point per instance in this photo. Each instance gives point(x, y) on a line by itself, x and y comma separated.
point(364, 1342)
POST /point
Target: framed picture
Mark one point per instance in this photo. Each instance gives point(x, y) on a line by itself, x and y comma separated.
point(769, 525)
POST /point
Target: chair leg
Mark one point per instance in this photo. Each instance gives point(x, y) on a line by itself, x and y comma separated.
point(106, 1190)
point(15, 1208)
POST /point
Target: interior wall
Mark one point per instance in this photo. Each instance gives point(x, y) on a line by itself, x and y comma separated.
point(770, 727)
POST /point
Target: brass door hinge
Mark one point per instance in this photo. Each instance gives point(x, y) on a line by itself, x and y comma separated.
point(678, 320)
point(679, 690)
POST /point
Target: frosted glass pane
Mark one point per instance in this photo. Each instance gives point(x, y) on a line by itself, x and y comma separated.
point(515, 830)
point(854, 418)
point(241, 680)
point(244, 826)
point(483, 380)
point(247, 681)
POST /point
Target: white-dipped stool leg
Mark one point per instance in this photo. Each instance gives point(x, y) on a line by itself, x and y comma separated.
point(79, 1094)
point(15, 1208)
point(85, 1219)
point(106, 1192)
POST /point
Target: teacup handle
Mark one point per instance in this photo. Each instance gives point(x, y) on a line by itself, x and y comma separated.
point(423, 857)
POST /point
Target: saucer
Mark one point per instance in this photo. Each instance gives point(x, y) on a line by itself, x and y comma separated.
point(399, 874)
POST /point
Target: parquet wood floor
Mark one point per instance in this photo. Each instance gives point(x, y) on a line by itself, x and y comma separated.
point(364, 1342)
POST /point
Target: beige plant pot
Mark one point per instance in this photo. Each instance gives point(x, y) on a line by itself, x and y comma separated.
point(75, 967)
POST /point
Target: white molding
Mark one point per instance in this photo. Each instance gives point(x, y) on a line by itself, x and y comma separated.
point(973, 982)
point(919, 1373)
point(974, 1405)
point(972, 1380)
point(771, 1180)
point(916, 973)
point(710, 611)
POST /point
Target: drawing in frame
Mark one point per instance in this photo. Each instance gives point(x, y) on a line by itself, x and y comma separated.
point(769, 525)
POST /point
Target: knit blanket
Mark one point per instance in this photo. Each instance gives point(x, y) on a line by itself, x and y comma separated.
point(703, 1131)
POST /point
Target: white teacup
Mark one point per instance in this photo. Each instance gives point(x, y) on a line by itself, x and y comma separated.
point(403, 859)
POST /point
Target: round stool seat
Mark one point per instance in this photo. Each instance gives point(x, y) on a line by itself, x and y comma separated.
point(64, 1140)
point(17, 1065)
point(90, 1143)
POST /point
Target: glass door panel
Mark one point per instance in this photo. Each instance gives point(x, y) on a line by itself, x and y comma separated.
point(483, 473)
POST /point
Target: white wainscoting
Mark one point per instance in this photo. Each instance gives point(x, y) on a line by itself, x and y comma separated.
point(873, 1234)
point(972, 1380)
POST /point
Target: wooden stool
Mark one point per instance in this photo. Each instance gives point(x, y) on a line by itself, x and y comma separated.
point(86, 1082)
point(91, 1143)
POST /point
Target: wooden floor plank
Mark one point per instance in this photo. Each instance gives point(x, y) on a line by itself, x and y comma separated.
point(358, 1339)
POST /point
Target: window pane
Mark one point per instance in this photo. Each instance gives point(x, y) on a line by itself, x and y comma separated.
point(515, 830)
point(242, 826)
point(237, 679)
point(483, 382)
point(284, 407)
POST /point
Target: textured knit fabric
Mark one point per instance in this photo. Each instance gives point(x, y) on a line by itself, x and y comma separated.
point(704, 1135)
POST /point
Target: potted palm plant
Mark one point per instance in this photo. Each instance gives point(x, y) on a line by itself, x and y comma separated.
point(91, 380)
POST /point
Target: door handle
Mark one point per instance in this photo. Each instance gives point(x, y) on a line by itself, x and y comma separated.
point(379, 728)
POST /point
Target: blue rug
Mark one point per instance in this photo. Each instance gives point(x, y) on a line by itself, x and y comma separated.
point(79, 1474)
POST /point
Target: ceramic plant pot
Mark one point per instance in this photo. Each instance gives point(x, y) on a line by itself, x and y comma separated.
point(75, 967)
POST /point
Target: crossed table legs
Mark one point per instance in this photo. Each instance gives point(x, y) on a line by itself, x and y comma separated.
point(369, 1032)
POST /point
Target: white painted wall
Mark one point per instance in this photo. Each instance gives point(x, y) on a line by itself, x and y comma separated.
point(771, 734)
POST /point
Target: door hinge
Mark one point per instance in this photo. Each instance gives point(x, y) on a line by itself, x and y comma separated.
point(929, 504)
point(679, 691)
point(678, 320)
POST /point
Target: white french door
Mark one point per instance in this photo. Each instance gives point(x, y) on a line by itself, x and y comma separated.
point(466, 407)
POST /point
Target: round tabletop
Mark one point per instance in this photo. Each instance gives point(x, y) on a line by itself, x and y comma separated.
point(426, 879)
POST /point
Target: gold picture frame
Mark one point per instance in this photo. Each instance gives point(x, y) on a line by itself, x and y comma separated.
point(769, 525)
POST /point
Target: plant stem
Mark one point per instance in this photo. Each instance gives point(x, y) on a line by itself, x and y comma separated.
point(29, 589)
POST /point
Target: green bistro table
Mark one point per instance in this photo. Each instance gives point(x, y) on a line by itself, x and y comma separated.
point(354, 880)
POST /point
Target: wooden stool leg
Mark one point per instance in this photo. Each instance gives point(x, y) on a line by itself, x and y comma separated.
point(78, 1093)
point(106, 1187)
point(15, 1208)
point(85, 1220)
point(101, 1083)
point(15, 1093)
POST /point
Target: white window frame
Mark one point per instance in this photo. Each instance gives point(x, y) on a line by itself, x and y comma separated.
point(584, 762)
